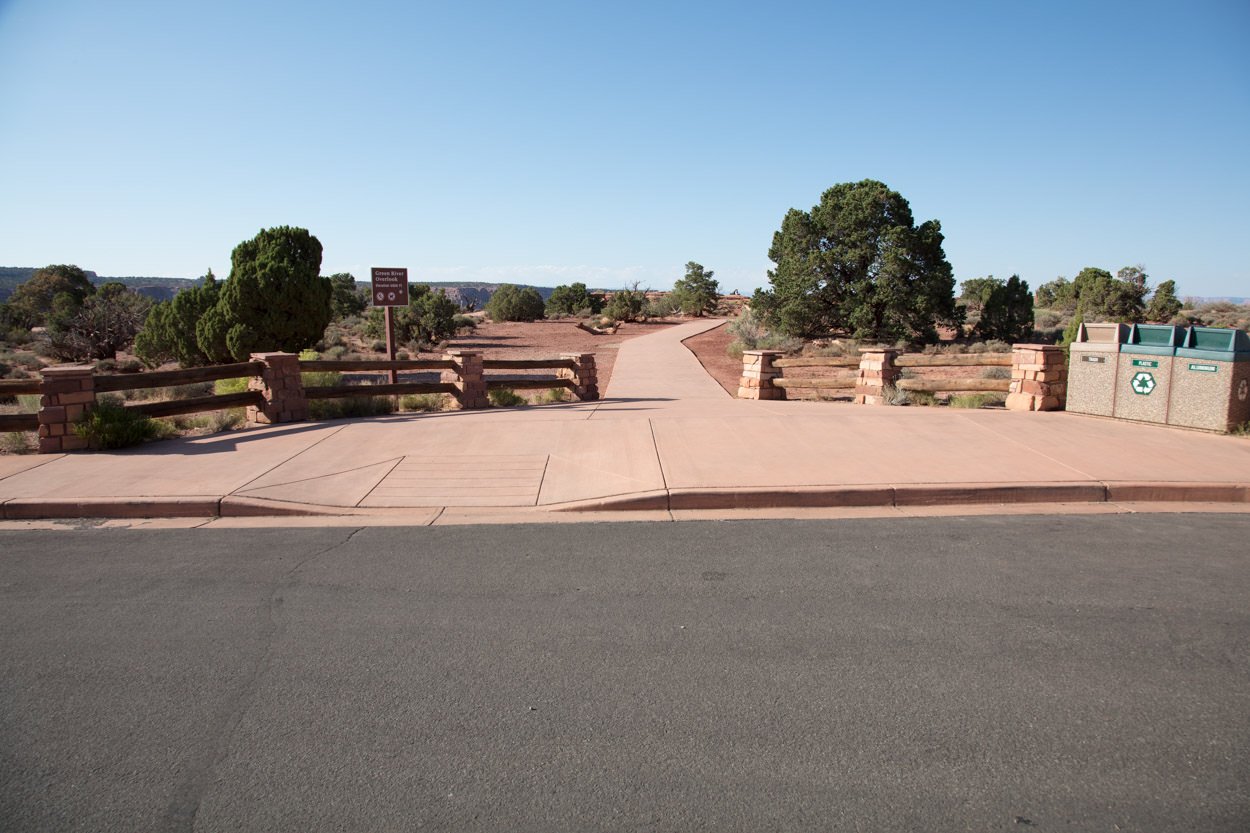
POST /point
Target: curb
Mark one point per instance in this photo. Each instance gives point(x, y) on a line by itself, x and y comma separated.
point(798, 497)
point(955, 494)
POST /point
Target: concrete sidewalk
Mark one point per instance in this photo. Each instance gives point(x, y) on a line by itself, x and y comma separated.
point(666, 438)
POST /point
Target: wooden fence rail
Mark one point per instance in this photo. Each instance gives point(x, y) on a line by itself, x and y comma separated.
point(1037, 380)
point(276, 390)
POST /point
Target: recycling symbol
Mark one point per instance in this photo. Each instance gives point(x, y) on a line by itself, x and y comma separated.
point(1143, 383)
point(1243, 390)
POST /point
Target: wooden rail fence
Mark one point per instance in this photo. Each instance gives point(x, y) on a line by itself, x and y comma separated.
point(1038, 375)
point(276, 390)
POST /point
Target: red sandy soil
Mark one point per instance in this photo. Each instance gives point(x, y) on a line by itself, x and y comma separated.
point(548, 339)
point(710, 349)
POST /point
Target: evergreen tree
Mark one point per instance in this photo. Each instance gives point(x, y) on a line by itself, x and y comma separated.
point(274, 299)
point(858, 263)
point(515, 303)
point(697, 292)
point(170, 331)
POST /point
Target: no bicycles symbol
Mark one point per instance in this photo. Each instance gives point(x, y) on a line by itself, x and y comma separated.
point(1143, 384)
point(1243, 390)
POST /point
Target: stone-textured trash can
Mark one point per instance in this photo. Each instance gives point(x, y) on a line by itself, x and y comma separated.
point(1144, 377)
point(1093, 362)
point(1211, 380)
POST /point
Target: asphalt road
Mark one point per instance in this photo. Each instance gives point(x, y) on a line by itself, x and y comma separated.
point(1037, 673)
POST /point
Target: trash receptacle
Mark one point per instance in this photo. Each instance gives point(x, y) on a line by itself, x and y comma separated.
point(1144, 377)
point(1211, 380)
point(1093, 361)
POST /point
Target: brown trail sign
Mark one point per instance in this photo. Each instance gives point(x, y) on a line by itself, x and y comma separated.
point(390, 289)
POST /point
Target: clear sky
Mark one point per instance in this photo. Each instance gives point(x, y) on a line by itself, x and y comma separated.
point(545, 142)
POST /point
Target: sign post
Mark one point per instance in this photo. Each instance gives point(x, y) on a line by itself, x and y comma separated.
point(389, 289)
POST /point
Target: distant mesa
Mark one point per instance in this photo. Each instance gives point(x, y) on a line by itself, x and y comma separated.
point(158, 289)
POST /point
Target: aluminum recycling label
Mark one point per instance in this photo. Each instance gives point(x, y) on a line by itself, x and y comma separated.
point(1205, 368)
point(1143, 383)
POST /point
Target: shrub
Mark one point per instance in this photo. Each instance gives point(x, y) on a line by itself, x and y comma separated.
point(515, 303)
point(112, 425)
point(222, 387)
point(213, 421)
point(975, 400)
point(921, 398)
point(554, 395)
point(464, 322)
point(423, 402)
point(505, 398)
point(996, 373)
point(350, 406)
point(18, 442)
point(378, 346)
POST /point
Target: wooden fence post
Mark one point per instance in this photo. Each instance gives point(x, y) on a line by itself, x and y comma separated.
point(876, 373)
point(282, 387)
point(758, 373)
point(468, 378)
point(1039, 378)
point(586, 377)
point(66, 395)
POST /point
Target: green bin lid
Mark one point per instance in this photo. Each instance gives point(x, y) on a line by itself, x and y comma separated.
point(1216, 343)
point(1154, 339)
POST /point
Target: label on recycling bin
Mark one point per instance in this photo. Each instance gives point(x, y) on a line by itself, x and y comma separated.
point(1094, 359)
point(1205, 368)
point(1144, 363)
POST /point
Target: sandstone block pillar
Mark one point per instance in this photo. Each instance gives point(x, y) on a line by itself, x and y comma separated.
point(586, 377)
point(876, 372)
point(66, 396)
point(469, 379)
point(1039, 378)
point(280, 384)
point(759, 374)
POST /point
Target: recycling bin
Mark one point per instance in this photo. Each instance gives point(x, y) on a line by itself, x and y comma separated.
point(1093, 361)
point(1211, 380)
point(1144, 375)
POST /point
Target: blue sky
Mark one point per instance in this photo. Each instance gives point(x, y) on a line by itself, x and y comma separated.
point(551, 142)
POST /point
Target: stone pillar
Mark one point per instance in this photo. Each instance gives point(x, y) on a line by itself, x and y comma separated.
point(585, 376)
point(66, 395)
point(876, 372)
point(468, 378)
point(279, 382)
point(1039, 378)
point(758, 375)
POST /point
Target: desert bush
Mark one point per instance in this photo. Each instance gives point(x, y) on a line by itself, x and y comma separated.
point(554, 395)
point(29, 403)
point(19, 442)
point(350, 406)
point(423, 402)
point(213, 421)
point(402, 355)
point(226, 386)
point(891, 395)
point(750, 333)
point(505, 398)
point(922, 398)
point(464, 322)
point(112, 425)
point(975, 400)
point(378, 346)
point(996, 373)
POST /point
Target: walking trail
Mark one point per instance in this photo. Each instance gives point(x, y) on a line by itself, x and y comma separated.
point(665, 439)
